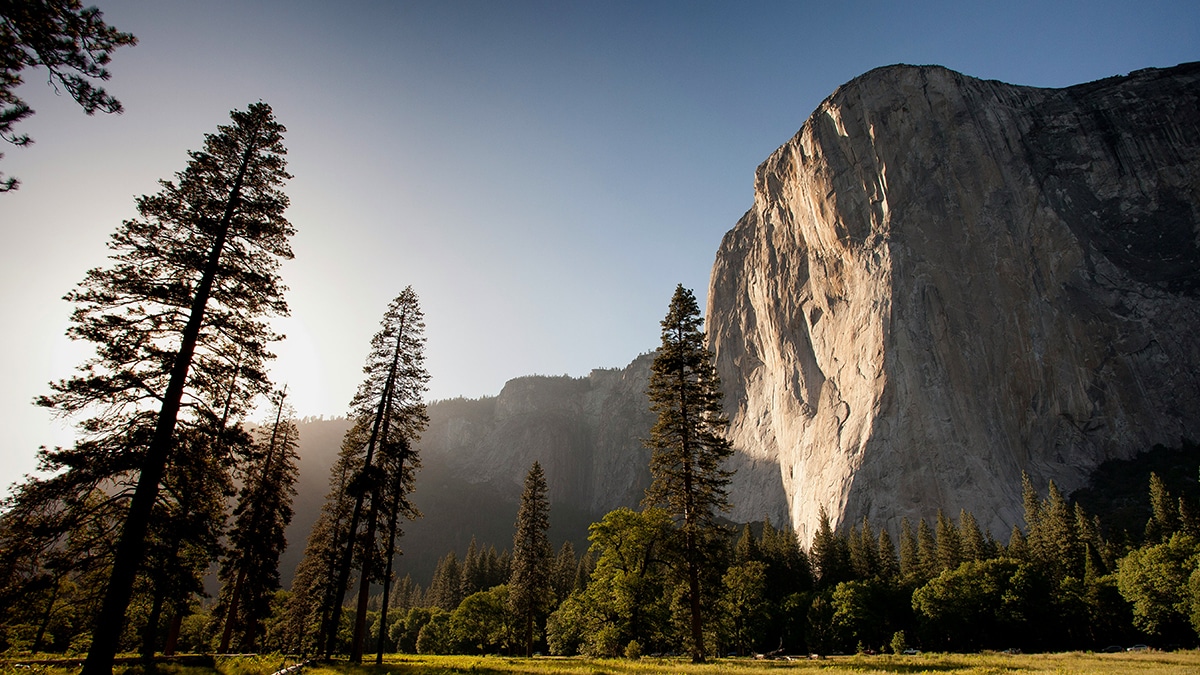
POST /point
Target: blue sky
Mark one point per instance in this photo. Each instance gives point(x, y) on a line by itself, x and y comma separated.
point(542, 173)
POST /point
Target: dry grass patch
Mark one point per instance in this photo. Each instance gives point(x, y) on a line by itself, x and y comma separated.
point(1072, 663)
point(1157, 663)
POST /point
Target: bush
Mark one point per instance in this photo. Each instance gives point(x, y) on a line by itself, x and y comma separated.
point(437, 636)
point(899, 644)
point(633, 650)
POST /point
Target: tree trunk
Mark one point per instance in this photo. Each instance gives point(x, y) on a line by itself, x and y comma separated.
point(150, 631)
point(391, 553)
point(231, 611)
point(173, 632)
point(131, 545)
point(45, 623)
point(364, 584)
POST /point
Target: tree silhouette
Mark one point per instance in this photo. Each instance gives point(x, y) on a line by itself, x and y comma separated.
point(389, 417)
point(178, 323)
point(72, 43)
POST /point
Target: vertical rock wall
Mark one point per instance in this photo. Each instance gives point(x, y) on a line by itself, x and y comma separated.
point(944, 282)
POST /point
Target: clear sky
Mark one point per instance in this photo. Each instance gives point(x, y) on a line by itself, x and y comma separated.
point(542, 173)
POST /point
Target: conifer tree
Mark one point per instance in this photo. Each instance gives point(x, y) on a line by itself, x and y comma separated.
point(408, 594)
point(389, 416)
point(472, 571)
point(864, 558)
point(72, 43)
point(444, 589)
point(250, 572)
point(1063, 553)
point(788, 568)
point(563, 576)
point(949, 546)
point(181, 307)
point(889, 564)
point(1165, 519)
point(829, 554)
point(185, 530)
point(1033, 540)
point(974, 546)
point(747, 548)
point(1018, 548)
point(927, 553)
point(403, 463)
point(529, 585)
point(688, 445)
point(910, 564)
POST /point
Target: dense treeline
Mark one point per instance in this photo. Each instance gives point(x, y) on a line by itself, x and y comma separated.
point(1057, 584)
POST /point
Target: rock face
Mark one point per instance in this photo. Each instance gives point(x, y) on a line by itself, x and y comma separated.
point(944, 282)
point(586, 432)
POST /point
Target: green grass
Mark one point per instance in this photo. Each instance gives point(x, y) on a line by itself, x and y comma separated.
point(973, 664)
point(935, 664)
point(263, 664)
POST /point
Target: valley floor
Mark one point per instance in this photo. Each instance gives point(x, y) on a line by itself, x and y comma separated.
point(1147, 663)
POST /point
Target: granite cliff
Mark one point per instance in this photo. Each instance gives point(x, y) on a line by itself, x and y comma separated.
point(945, 281)
point(586, 432)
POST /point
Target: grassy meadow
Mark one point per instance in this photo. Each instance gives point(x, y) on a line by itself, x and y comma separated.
point(951, 664)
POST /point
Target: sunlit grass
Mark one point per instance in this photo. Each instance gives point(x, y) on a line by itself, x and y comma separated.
point(973, 664)
point(967, 664)
point(259, 664)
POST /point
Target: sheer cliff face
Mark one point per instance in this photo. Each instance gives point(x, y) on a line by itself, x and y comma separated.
point(586, 433)
point(944, 282)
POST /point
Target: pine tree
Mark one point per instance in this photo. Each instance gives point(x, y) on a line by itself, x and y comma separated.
point(1165, 519)
point(185, 531)
point(974, 546)
point(949, 546)
point(689, 448)
point(829, 554)
point(1064, 555)
point(864, 558)
point(747, 548)
point(563, 576)
point(180, 309)
point(250, 573)
point(889, 564)
point(1034, 540)
point(472, 571)
point(910, 564)
point(444, 589)
point(927, 552)
point(72, 43)
point(408, 594)
point(529, 585)
point(389, 415)
point(1018, 548)
point(788, 568)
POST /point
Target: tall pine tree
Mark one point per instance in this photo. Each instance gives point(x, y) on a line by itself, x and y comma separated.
point(178, 315)
point(688, 445)
point(532, 558)
point(390, 415)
